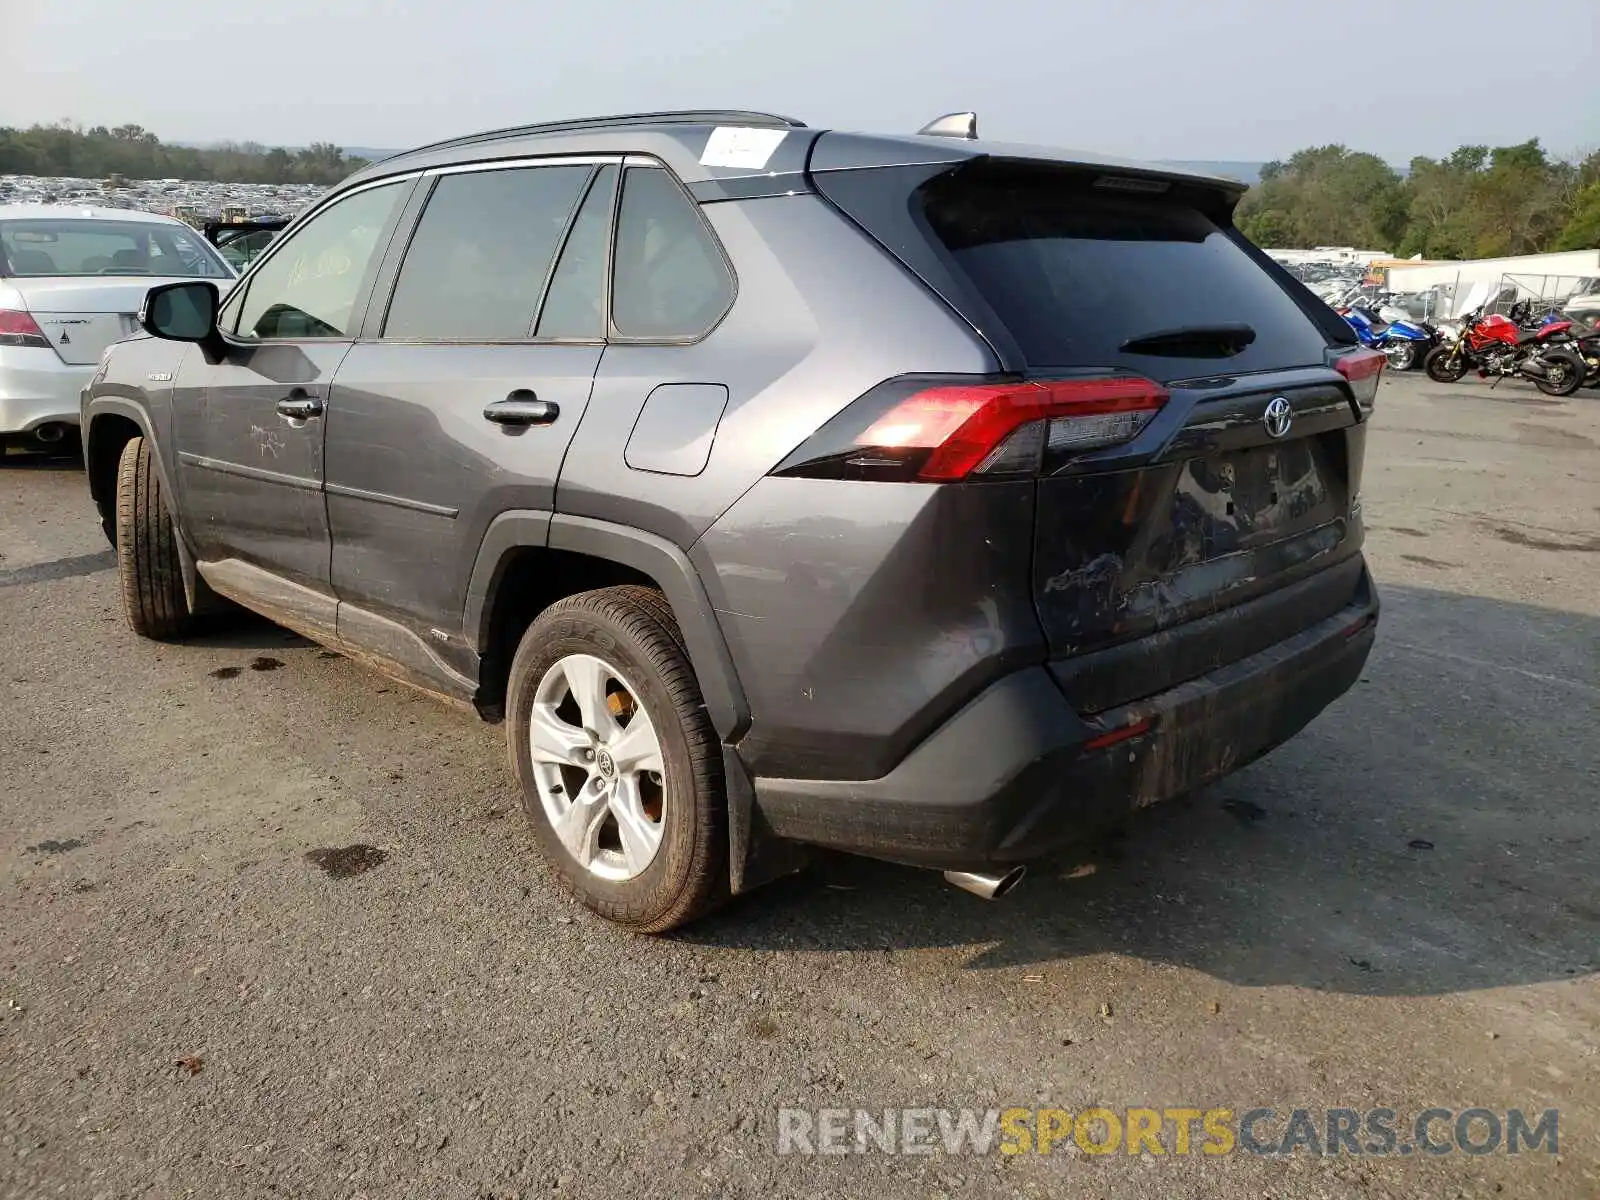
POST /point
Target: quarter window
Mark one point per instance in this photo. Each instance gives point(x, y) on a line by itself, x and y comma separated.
point(670, 280)
point(576, 304)
point(310, 285)
point(482, 252)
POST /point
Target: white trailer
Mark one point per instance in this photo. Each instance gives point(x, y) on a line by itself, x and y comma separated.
point(1542, 278)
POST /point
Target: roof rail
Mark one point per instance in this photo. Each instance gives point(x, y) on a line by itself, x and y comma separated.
point(710, 116)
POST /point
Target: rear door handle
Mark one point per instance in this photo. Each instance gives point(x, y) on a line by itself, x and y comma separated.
point(299, 406)
point(522, 408)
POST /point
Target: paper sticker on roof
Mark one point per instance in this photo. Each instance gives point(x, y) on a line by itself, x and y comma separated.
point(746, 148)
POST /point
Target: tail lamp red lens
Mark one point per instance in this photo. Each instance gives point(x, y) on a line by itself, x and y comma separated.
point(1362, 369)
point(18, 328)
point(955, 431)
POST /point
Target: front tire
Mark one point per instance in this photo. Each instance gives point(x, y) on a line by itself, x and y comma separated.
point(1444, 365)
point(153, 599)
point(620, 769)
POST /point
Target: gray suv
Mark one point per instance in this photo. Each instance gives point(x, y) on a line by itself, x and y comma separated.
point(917, 496)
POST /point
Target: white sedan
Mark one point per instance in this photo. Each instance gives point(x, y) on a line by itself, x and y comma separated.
point(71, 283)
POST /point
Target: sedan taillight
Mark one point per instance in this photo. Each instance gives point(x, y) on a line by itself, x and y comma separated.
point(18, 328)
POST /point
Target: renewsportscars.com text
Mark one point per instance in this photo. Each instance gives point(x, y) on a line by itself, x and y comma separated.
point(1376, 1132)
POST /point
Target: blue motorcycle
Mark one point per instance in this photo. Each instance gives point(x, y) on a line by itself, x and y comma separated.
point(1404, 343)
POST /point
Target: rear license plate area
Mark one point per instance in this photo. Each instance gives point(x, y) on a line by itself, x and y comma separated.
point(1260, 494)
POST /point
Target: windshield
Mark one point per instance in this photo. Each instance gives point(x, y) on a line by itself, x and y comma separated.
point(76, 246)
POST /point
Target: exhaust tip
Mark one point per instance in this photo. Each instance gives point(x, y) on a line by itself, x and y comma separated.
point(985, 886)
point(50, 432)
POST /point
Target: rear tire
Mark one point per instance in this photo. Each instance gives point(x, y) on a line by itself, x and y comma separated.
point(1571, 369)
point(153, 598)
point(629, 635)
point(1442, 367)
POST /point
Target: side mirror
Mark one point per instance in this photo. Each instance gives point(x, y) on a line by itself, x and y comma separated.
point(182, 312)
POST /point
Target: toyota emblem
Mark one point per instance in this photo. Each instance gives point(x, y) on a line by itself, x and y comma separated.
point(1278, 417)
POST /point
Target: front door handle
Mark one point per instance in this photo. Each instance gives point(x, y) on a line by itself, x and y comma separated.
point(299, 406)
point(522, 407)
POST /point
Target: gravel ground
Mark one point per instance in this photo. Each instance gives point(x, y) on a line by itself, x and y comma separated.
point(1398, 909)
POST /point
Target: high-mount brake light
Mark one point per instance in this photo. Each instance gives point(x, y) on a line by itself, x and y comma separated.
point(949, 432)
point(1362, 370)
point(18, 328)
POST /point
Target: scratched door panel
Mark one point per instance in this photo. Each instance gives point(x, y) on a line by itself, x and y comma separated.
point(416, 472)
point(251, 478)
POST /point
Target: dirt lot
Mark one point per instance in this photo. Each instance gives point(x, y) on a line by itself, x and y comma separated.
point(1398, 909)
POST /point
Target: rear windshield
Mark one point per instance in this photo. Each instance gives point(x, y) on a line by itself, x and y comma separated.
point(1075, 272)
point(80, 246)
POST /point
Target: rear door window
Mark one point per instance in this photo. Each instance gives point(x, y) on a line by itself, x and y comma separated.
point(482, 252)
point(670, 281)
point(1075, 273)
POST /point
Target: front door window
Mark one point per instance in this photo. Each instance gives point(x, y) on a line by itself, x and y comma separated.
point(312, 284)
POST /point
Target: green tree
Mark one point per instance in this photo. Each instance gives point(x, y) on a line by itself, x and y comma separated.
point(1439, 205)
point(1479, 201)
point(1521, 202)
point(277, 164)
point(135, 152)
point(1325, 196)
point(1484, 203)
point(1582, 230)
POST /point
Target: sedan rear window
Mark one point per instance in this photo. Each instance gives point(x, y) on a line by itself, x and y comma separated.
point(78, 246)
point(1084, 277)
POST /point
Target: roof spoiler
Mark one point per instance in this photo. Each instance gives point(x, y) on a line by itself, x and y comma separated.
point(953, 125)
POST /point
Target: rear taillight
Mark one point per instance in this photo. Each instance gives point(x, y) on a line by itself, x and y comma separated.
point(18, 328)
point(947, 431)
point(1361, 370)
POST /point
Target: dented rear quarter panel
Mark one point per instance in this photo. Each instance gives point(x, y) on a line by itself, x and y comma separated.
point(860, 615)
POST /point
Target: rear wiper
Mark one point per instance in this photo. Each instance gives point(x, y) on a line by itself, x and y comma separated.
point(1192, 341)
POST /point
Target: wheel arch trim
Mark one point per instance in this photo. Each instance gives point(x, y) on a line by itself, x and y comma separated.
point(654, 556)
point(110, 406)
point(113, 407)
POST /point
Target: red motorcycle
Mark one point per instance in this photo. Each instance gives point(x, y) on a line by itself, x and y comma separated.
point(1495, 345)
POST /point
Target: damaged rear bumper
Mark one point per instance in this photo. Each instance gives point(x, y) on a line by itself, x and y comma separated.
point(1017, 773)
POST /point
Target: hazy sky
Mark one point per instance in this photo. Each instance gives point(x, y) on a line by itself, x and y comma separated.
point(1197, 79)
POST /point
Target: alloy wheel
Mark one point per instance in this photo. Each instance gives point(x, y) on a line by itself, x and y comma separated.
point(598, 767)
